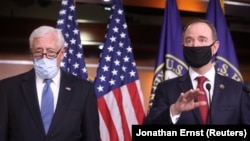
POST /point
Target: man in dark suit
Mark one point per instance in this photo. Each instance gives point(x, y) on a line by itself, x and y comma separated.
point(74, 115)
point(177, 100)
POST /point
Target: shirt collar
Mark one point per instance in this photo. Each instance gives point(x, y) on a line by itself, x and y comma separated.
point(210, 74)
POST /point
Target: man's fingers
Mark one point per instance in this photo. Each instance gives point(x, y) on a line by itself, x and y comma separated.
point(192, 94)
point(199, 104)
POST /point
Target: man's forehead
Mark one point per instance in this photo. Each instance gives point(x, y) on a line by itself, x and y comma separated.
point(198, 29)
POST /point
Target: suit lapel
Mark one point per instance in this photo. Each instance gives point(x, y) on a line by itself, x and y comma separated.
point(64, 99)
point(219, 86)
point(30, 96)
point(185, 83)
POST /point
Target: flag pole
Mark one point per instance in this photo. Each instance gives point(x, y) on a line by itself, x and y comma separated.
point(222, 5)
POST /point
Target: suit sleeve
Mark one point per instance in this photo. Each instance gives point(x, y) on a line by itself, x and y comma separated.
point(245, 107)
point(159, 112)
point(3, 113)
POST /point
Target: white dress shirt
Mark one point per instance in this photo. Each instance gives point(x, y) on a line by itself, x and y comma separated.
point(55, 84)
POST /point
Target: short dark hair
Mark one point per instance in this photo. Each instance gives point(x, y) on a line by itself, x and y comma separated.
point(211, 26)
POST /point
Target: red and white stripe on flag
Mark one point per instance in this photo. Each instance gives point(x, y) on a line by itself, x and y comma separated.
point(119, 110)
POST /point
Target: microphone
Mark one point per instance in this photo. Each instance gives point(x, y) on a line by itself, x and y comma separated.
point(208, 87)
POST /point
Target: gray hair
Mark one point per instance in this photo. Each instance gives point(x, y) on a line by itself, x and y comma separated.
point(42, 30)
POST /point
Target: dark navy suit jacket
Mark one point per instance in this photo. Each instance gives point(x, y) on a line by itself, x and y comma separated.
point(230, 103)
point(75, 119)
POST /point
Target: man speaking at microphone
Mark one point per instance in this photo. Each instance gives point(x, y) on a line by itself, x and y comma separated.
point(201, 96)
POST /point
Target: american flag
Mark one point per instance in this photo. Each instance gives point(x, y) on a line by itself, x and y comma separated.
point(73, 61)
point(117, 85)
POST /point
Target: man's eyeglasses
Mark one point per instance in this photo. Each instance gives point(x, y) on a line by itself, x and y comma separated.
point(49, 54)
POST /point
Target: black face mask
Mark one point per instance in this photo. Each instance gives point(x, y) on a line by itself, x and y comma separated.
point(197, 56)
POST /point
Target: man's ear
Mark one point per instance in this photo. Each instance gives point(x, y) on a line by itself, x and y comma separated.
point(215, 47)
point(62, 53)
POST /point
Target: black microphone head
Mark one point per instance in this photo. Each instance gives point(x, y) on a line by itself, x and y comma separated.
point(208, 86)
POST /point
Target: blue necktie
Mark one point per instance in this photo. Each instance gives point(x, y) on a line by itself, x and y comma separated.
point(47, 106)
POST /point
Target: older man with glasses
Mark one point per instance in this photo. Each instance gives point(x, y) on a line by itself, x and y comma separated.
point(47, 103)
